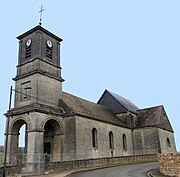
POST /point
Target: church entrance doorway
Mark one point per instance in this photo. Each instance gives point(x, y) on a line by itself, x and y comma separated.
point(52, 140)
point(47, 148)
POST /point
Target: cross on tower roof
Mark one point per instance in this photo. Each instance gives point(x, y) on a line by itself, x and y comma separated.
point(40, 20)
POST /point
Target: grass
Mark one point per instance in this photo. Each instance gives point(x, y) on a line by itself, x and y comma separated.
point(1, 159)
point(156, 173)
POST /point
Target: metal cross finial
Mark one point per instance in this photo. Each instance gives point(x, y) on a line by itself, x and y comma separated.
point(40, 21)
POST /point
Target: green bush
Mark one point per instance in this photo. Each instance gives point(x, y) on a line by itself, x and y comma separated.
point(1, 159)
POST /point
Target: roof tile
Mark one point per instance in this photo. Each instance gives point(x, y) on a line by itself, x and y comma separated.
point(89, 109)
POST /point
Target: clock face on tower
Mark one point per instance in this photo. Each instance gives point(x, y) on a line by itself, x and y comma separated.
point(28, 42)
point(49, 43)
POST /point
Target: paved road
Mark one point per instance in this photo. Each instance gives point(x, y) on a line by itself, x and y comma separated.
point(138, 170)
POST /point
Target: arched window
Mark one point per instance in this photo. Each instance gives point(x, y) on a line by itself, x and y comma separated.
point(111, 140)
point(94, 138)
point(168, 143)
point(124, 142)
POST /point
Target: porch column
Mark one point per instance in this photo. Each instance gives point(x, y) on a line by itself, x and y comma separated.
point(12, 147)
point(35, 152)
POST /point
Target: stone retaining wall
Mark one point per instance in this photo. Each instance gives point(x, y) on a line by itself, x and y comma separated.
point(170, 164)
point(52, 167)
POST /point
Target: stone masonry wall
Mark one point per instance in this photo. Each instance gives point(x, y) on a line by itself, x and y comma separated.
point(85, 126)
point(146, 140)
point(11, 170)
point(170, 164)
point(52, 167)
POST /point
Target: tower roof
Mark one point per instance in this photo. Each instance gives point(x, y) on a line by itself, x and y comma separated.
point(40, 28)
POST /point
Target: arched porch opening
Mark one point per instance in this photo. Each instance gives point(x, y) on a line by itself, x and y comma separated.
point(18, 138)
point(52, 140)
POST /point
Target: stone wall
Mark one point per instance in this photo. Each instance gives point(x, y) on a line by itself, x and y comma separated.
point(165, 146)
point(84, 127)
point(146, 140)
point(170, 164)
point(11, 170)
point(52, 167)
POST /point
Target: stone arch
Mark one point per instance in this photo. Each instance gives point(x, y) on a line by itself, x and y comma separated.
point(53, 138)
point(58, 123)
point(19, 122)
point(14, 132)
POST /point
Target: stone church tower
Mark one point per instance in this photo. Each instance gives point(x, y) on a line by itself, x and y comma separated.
point(38, 86)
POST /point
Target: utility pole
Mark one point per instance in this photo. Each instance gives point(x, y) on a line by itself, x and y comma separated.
point(7, 132)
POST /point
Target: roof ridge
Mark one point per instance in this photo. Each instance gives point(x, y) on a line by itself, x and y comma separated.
point(83, 99)
point(152, 107)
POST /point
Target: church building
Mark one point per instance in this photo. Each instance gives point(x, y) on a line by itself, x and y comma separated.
point(66, 127)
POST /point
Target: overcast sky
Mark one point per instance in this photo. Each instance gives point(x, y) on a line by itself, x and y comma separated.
point(130, 47)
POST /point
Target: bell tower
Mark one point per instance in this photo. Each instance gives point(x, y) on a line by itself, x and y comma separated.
point(38, 87)
point(38, 78)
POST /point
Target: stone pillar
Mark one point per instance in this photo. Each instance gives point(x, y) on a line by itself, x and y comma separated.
point(35, 142)
point(13, 139)
point(26, 140)
point(35, 150)
point(56, 148)
point(12, 147)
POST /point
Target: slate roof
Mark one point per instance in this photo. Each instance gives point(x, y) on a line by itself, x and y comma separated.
point(154, 116)
point(148, 117)
point(89, 109)
point(38, 27)
point(125, 102)
point(117, 104)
